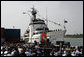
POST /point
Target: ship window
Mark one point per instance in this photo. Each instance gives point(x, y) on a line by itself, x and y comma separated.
point(42, 29)
point(33, 33)
point(39, 29)
point(46, 29)
point(25, 35)
point(27, 31)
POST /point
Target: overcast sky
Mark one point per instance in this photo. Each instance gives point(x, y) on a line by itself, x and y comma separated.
point(57, 11)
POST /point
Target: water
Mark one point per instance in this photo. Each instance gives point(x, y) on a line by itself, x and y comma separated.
point(75, 41)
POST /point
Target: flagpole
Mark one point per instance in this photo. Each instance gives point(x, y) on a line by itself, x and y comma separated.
point(46, 17)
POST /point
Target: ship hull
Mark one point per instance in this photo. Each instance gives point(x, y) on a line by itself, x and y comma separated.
point(53, 36)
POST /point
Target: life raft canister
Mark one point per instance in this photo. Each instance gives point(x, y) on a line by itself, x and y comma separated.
point(44, 37)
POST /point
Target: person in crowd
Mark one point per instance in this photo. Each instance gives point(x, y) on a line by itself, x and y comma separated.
point(25, 49)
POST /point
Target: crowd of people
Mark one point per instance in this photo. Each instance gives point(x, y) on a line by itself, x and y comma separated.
point(26, 49)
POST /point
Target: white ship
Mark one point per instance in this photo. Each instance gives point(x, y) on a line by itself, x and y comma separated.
point(39, 31)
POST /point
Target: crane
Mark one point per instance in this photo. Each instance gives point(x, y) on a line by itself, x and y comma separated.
point(47, 20)
point(55, 23)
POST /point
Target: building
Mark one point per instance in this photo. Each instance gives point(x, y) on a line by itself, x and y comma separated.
point(10, 35)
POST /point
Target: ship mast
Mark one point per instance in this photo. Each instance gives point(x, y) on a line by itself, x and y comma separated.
point(34, 12)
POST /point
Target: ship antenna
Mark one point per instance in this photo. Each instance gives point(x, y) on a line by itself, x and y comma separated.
point(34, 12)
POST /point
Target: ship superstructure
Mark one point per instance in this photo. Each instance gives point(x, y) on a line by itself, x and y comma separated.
point(38, 31)
point(36, 27)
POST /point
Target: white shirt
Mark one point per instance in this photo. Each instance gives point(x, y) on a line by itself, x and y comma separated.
point(28, 53)
point(63, 54)
point(5, 52)
point(77, 52)
point(9, 55)
point(5, 55)
point(1, 47)
point(73, 54)
point(12, 53)
point(55, 54)
point(1, 52)
point(20, 50)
